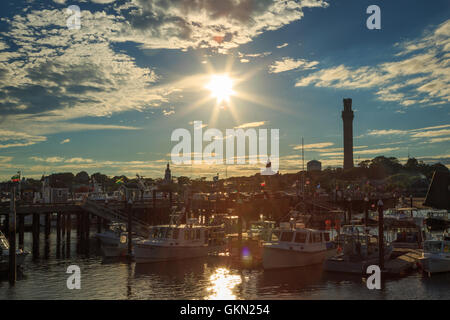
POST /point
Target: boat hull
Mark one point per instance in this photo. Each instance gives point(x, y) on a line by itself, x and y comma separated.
point(277, 258)
point(433, 265)
point(145, 253)
point(108, 239)
point(338, 264)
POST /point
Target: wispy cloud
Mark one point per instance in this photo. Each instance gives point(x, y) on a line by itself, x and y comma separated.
point(287, 64)
point(419, 75)
point(251, 124)
point(283, 45)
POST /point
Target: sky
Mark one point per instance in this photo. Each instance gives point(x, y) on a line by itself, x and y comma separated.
point(106, 97)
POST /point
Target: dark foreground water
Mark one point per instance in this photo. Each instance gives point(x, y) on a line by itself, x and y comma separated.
point(206, 278)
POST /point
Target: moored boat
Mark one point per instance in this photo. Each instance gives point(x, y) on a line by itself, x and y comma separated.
point(436, 255)
point(176, 242)
point(358, 252)
point(297, 247)
point(4, 254)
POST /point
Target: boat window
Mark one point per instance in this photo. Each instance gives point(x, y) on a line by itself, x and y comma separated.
point(187, 234)
point(175, 233)
point(155, 233)
point(433, 246)
point(326, 236)
point(300, 237)
point(446, 247)
point(317, 237)
point(192, 234)
point(287, 236)
point(197, 235)
point(169, 233)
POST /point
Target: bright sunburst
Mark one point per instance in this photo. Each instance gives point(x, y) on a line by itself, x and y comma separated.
point(221, 87)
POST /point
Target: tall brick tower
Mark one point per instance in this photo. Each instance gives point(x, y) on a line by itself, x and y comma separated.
point(347, 118)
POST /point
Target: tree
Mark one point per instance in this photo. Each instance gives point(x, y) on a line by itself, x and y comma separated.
point(82, 177)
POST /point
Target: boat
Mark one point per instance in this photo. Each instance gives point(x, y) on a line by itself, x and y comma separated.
point(180, 241)
point(4, 254)
point(261, 229)
point(357, 252)
point(436, 255)
point(114, 240)
point(296, 247)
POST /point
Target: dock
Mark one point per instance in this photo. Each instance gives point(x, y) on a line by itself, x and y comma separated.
point(402, 261)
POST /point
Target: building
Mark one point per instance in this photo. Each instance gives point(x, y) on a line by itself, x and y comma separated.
point(53, 192)
point(314, 165)
point(347, 118)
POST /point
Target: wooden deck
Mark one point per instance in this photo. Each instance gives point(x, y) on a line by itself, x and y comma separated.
point(403, 261)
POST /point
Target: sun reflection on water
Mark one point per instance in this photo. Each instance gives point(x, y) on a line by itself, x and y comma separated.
point(222, 285)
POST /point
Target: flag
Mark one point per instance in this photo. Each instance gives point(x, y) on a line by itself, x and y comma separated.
point(216, 178)
point(318, 186)
point(15, 178)
point(119, 181)
point(263, 184)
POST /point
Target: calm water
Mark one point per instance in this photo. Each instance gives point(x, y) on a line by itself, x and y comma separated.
point(206, 278)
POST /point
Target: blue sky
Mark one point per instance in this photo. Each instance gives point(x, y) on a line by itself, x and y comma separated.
point(107, 97)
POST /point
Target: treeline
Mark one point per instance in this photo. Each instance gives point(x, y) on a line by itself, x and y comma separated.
point(385, 172)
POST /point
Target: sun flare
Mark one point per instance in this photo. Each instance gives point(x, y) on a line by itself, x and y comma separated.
point(221, 87)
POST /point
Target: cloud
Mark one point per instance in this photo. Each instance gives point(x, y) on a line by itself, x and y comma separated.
point(314, 146)
point(282, 45)
point(168, 112)
point(251, 125)
point(65, 141)
point(49, 159)
point(287, 64)
point(9, 138)
point(420, 73)
point(218, 24)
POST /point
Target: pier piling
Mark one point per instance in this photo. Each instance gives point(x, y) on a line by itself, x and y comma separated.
point(68, 233)
point(47, 225)
point(130, 223)
point(99, 224)
point(12, 239)
point(63, 226)
point(21, 231)
point(36, 230)
point(380, 234)
point(58, 235)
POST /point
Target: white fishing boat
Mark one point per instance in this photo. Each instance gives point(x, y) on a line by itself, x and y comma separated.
point(297, 247)
point(4, 254)
point(436, 255)
point(114, 240)
point(180, 241)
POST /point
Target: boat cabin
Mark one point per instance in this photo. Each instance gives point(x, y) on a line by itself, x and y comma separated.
point(187, 234)
point(300, 236)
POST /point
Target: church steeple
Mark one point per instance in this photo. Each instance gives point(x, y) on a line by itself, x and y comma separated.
point(168, 174)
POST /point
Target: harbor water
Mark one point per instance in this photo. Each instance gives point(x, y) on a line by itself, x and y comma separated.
point(205, 278)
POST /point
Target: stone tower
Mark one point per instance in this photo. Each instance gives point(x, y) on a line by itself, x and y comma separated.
point(347, 118)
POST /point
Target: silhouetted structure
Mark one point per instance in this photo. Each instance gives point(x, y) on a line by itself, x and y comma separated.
point(347, 118)
point(314, 165)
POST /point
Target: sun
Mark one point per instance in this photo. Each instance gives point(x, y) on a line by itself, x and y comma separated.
point(221, 87)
